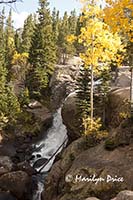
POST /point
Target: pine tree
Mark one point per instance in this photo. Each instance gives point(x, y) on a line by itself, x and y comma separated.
point(55, 23)
point(83, 92)
point(9, 106)
point(65, 49)
point(9, 41)
point(2, 37)
point(42, 52)
point(27, 34)
point(80, 24)
point(17, 38)
point(72, 21)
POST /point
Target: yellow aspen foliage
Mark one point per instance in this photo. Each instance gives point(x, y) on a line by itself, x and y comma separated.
point(20, 58)
point(92, 128)
point(119, 16)
point(71, 38)
point(102, 45)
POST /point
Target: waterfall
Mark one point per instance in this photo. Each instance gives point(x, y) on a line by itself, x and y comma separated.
point(52, 140)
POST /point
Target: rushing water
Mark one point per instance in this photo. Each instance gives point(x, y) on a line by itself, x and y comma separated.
point(49, 146)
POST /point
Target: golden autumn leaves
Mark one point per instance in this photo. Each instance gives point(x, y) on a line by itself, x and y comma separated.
point(103, 36)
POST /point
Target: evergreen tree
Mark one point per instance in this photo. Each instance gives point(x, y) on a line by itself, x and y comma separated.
point(27, 34)
point(17, 38)
point(9, 106)
point(72, 20)
point(2, 37)
point(79, 46)
point(64, 47)
point(83, 92)
point(55, 23)
point(9, 41)
point(42, 52)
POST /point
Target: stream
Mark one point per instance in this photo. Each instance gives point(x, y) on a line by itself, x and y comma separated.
point(47, 149)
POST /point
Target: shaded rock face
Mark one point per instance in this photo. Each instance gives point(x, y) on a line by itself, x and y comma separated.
point(6, 196)
point(15, 182)
point(113, 170)
point(117, 107)
point(5, 164)
point(123, 77)
point(54, 183)
point(121, 136)
point(34, 119)
point(42, 114)
point(63, 81)
point(71, 117)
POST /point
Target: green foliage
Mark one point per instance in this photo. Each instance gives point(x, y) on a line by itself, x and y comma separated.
point(17, 40)
point(9, 41)
point(101, 91)
point(83, 92)
point(42, 54)
point(79, 46)
point(27, 34)
point(100, 98)
point(110, 144)
point(64, 48)
point(55, 24)
point(9, 105)
point(24, 98)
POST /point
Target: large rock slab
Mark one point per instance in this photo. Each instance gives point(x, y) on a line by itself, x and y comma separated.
point(125, 195)
point(118, 107)
point(63, 81)
point(108, 173)
point(5, 165)
point(70, 116)
point(16, 182)
point(6, 196)
point(36, 118)
point(123, 77)
point(92, 198)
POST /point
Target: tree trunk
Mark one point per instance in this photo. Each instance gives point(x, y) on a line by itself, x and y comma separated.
point(131, 93)
point(91, 95)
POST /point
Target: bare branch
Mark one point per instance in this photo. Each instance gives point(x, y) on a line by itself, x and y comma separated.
point(9, 1)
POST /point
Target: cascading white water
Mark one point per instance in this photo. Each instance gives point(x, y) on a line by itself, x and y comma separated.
point(55, 136)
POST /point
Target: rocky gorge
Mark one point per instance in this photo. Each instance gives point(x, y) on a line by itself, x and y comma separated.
point(112, 156)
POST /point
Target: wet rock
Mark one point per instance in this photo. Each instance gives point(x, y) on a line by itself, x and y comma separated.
point(38, 155)
point(25, 166)
point(34, 104)
point(16, 182)
point(32, 157)
point(42, 116)
point(40, 162)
